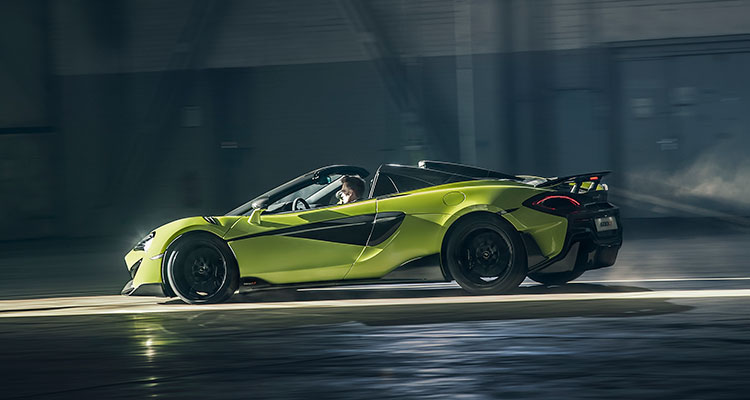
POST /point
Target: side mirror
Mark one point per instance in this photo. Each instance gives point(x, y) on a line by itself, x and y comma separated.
point(255, 216)
point(260, 203)
point(323, 180)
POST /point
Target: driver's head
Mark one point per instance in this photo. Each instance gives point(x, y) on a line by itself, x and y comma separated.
point(352, 188)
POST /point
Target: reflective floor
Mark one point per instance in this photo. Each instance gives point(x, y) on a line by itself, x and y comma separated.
point(670, 320)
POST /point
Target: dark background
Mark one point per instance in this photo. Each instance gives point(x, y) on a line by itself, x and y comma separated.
point(117, 116)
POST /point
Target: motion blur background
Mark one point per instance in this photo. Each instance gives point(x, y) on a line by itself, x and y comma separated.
point(117, 116)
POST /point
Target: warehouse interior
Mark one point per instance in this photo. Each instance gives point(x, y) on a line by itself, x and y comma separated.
point(119, 116)
point(127, 114)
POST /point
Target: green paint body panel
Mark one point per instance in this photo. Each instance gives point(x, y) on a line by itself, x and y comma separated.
point(284, 259)
point(429, 214)
point(150, 268)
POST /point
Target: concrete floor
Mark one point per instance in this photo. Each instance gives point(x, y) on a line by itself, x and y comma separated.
point(669, 320)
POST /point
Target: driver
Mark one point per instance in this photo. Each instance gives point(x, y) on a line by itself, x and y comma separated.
point(352, 189)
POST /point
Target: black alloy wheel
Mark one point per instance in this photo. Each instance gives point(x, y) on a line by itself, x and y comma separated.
point(485, 255)
point(202, 269)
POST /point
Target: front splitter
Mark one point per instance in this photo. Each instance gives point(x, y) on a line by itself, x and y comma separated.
point(146, 289)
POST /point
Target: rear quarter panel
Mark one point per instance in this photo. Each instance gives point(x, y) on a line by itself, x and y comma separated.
point(431, 212)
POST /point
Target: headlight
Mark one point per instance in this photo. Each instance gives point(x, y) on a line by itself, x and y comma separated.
point(145, 243)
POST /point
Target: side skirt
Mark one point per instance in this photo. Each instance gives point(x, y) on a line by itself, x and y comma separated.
point(420, 270)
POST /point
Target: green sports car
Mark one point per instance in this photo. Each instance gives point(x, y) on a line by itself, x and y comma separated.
point(433, 222)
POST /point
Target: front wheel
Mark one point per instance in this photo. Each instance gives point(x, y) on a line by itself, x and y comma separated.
point(201, 269)
point(485, 255)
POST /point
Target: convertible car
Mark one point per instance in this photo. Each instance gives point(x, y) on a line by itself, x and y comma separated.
point(433, 222)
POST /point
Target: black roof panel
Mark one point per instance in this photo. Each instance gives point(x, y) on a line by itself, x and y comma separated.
point(467, 170)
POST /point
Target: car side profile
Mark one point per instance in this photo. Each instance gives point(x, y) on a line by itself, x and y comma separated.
point(431, 222)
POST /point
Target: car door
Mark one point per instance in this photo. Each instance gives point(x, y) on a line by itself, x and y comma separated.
point(302, 246)
point(408, 226)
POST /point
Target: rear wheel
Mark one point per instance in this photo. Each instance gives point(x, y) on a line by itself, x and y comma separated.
point(201, 269)
point(485, 255)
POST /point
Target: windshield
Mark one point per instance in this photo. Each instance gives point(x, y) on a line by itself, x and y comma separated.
point(316, 186)
point(307, 193)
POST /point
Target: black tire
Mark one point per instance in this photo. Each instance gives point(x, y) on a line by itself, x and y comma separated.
point(201, 269)
point(485, 255)
point(556, 278)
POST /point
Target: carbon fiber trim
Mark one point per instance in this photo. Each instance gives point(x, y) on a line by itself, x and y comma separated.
point(211, 220)
point(386, 224)
point(356, 230)
point(350, 230)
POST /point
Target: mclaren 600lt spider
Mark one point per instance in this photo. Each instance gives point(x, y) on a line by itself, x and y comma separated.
point(433, 222)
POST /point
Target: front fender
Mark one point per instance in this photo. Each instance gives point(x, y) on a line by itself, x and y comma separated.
point(149, 270)
point(169, 232)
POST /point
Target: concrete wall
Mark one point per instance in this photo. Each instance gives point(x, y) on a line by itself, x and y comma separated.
point(141, 35)
point(27, 140)
point(684, 131)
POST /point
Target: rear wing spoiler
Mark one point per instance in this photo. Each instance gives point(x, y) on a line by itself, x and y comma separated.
point(577, 184)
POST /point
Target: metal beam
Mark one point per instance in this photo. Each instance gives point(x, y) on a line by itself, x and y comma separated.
point(467, 137)
point(422, 139)
point(197, 37)
point(509, 75)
